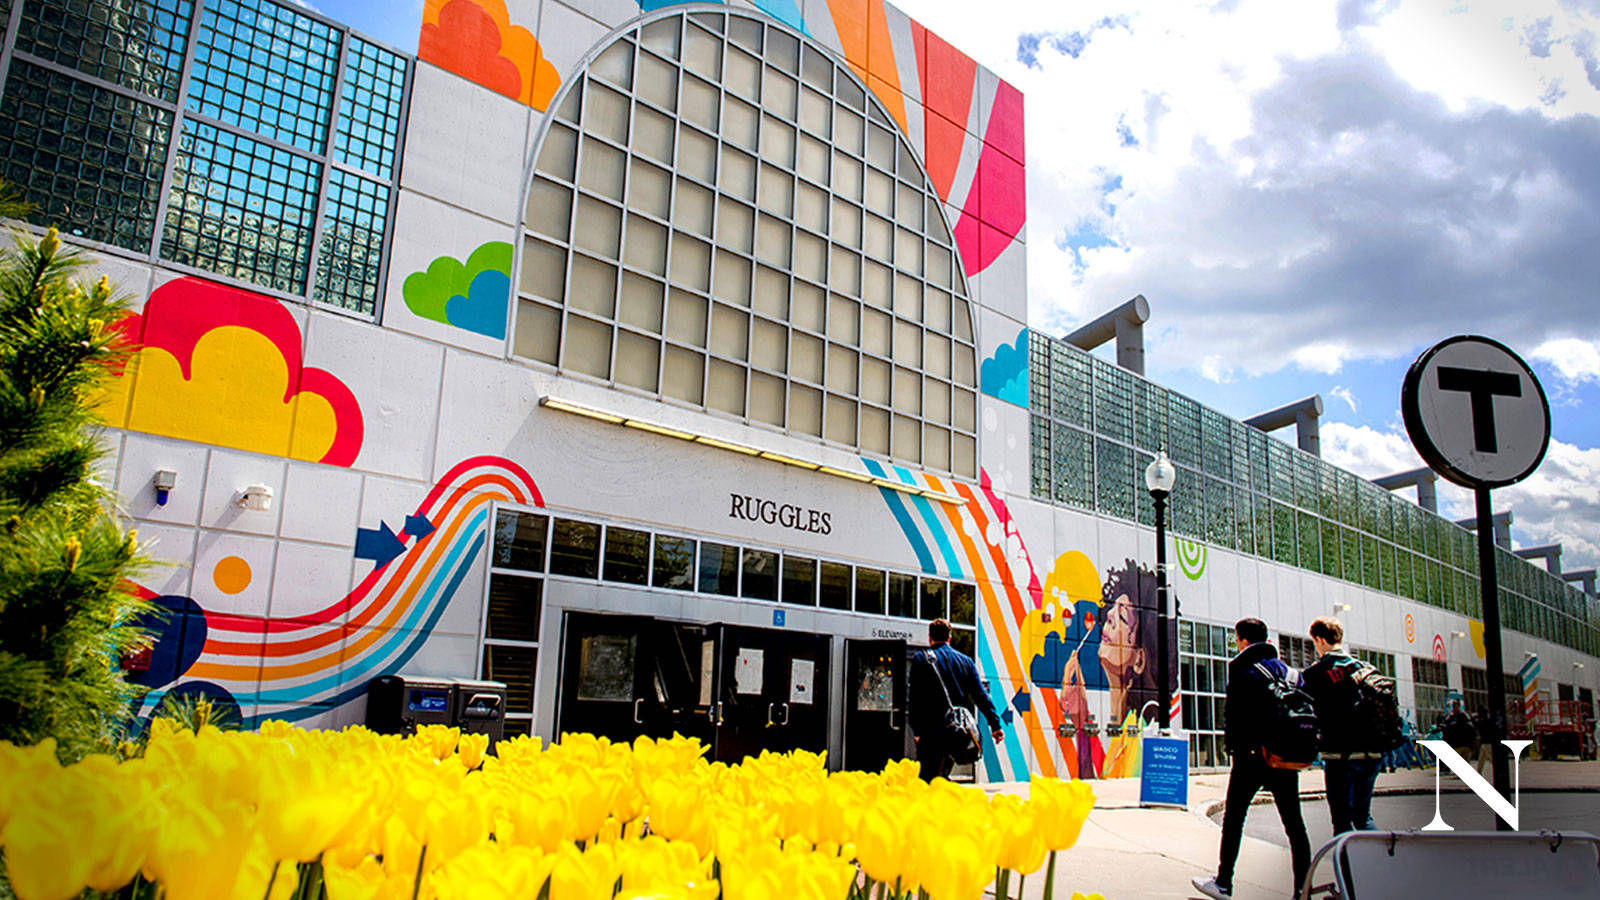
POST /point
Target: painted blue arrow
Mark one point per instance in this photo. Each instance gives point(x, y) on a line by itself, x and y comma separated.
point(378, 544)
point(1022, 700)
point(418, 526)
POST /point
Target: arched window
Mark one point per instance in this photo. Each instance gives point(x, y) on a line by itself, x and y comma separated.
point(721, 216)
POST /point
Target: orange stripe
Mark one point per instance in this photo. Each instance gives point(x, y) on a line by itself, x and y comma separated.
point(1041, 749)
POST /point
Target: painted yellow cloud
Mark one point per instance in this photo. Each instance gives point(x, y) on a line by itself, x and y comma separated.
point(234, 399)
point(1072, 579)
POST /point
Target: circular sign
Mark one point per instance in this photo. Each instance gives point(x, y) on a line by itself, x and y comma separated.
point(1476, 412)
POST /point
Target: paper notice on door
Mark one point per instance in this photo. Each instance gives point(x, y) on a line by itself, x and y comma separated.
point(802, 672)
point(747, 671)
point(708, 670)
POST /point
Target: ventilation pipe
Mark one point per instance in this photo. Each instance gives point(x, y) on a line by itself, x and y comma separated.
point(1584, 576)
point(1550, 552)
point(1302, 414)
point(1424, 479)
point(1501, 526)
point(1125, 325)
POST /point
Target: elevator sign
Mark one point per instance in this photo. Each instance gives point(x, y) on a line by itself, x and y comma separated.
point(1476, 412)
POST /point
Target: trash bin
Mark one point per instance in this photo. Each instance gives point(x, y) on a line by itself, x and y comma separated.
point(397, 704)
point(479, 707)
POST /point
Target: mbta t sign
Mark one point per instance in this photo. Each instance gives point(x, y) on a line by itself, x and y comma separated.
point(1479, 417)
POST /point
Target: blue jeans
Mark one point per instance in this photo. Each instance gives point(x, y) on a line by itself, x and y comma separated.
point(1350, 783)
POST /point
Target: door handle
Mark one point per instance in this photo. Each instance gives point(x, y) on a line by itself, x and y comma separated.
point(714, 713)
point(636, 719)
point(897, 718)
point(773, 707)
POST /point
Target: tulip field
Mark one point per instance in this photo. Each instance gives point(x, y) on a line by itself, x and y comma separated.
point(286, 814)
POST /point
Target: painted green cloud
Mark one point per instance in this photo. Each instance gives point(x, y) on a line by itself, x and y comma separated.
point(472, 295)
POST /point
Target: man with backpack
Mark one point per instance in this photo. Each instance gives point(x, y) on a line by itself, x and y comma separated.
point(1458, 731)
point(1270, 732)
point(944, 687)
point(1358, 721)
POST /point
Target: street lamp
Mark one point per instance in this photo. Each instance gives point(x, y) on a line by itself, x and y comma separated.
point(1159, 478)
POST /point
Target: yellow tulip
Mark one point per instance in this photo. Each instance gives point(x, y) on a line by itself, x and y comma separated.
point(362, 881)
point(1022, 847)
point(470, 750)
point(589, 874)
point(1061, 809)
point(42, 857)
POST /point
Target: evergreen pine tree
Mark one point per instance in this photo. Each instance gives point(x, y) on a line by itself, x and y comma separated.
point(66, 614)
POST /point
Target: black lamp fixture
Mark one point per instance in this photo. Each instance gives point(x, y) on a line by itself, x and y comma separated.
point(1159, 477)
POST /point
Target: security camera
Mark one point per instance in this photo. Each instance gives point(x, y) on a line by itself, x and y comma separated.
point(256, 497)
point(165, 481)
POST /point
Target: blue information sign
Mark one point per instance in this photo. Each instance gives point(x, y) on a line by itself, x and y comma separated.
point(778, 617)
point(1164, 771)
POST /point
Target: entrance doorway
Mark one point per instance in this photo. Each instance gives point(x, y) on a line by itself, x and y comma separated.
point(875, 703)
point(739, 689)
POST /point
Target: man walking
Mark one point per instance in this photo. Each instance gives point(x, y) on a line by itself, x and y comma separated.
point(1350, 757)
point(1457, 730)
point(942, 678)
point(1246, 710)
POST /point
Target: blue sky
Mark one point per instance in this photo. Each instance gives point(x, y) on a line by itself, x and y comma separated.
point(1309, 194)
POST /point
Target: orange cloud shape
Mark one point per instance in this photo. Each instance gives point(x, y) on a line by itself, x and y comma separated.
point(476, 40)
point(222, 365)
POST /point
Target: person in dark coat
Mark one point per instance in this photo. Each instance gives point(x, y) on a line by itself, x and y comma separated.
point(1458, 731)
point(1245, 711)
point(928, 705)
point(1349, 758)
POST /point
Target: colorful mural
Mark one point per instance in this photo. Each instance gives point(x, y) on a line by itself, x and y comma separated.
point(477, 40)
point(222, 365)
point(294, 669)
point(1004, 375)
point(472, 296)
point(1191, 557)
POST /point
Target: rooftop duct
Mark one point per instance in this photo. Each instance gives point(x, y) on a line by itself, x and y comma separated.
point(1424, 479)
point(1585, 576)
point(1125, 324)
point(1302, 414)
point(1550, 552)
point(1501, 525)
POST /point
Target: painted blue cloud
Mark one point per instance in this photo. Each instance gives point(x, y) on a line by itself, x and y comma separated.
point(483, 309)
point(1005, 374)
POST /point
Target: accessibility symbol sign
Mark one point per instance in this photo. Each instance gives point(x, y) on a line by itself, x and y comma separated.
point(1476, 412)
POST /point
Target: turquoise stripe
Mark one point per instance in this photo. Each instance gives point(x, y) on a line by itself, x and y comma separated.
point(330, 684)
point(1013, 743)
point(897, 508)
point(936, 527)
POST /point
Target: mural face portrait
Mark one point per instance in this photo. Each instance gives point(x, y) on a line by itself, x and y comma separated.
point(1122, 653)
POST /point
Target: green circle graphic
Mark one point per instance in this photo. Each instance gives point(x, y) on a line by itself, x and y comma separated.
point(1191, 557)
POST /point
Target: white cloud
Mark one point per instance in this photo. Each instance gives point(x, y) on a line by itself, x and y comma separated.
point(1341, 392)
point(1574, 359)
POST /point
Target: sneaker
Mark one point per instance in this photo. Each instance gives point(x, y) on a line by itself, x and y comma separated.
point(1211, 889)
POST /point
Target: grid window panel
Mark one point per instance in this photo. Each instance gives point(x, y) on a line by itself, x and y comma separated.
point(89, 160)
point(1330, 547)
point(1149, 416)
point(888, 327)
point(1350, 553)
point(1260, 456)
point(1244, 519)
point(1113, 472)
point(1309, 547)
point(1369, 562)
point(1281, 465)
point(1038, 372)
point(1219, 512)
point(1039, 462)
point(241, 208)
point(1189, 506)
point(1283, 538)
point(368, 133)
point(1073, 466)
point(350, 256)
point(1113, 401)
point(132, 43)
point(1071, 385)
point(1183, 430)
point(1216, 440)
point(266, 68)
point(1349, 503)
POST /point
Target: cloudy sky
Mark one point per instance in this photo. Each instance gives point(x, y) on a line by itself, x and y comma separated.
point(1309, 194)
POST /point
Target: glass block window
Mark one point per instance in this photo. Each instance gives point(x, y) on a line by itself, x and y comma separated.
point(1183, 429)
point(1280, 461)
point(1113, 401)
point(1219, 513)
point(136, 44)
point(368, 136)
point(1245, 523)
point(241, 208)
point(707, 226)
point(350, 254)
point(88, 159)
point(1114, 478)
point(1039, 456)
point(266, 68)
point(1150, 415)
point(1188, 506)
point(1071, 384)
point(1283, 534)
point(1074, 466)
point(1038, 371)
point(1216, 441)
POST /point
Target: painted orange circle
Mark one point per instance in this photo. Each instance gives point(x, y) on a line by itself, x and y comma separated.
point(231, 575)
point(1411, 629)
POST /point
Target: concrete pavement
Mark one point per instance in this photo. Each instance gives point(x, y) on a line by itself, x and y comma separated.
point(1127, 852)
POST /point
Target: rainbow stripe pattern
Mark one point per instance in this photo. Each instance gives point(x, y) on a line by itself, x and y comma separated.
point(294, 669)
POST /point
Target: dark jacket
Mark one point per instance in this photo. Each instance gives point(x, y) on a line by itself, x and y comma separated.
point(1244, 709)
point(1457, 730)
point(1330, 682)
point(960, 678)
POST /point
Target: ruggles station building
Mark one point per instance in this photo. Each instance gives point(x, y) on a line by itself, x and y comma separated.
point(669, 364)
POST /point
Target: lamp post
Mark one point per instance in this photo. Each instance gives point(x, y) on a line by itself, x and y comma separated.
point(1159, 478)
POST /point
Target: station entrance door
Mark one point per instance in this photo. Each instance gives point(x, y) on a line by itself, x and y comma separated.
point(874, 703)
point(739, 689)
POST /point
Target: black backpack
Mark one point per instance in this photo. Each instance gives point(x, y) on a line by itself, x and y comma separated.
point(1376, 712)
point(1289, 732)
point(961, 740)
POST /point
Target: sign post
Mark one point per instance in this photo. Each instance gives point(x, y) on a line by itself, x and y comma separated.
point(1479, 418)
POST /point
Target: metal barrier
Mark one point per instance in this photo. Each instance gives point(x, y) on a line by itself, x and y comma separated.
point(1406, 865)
